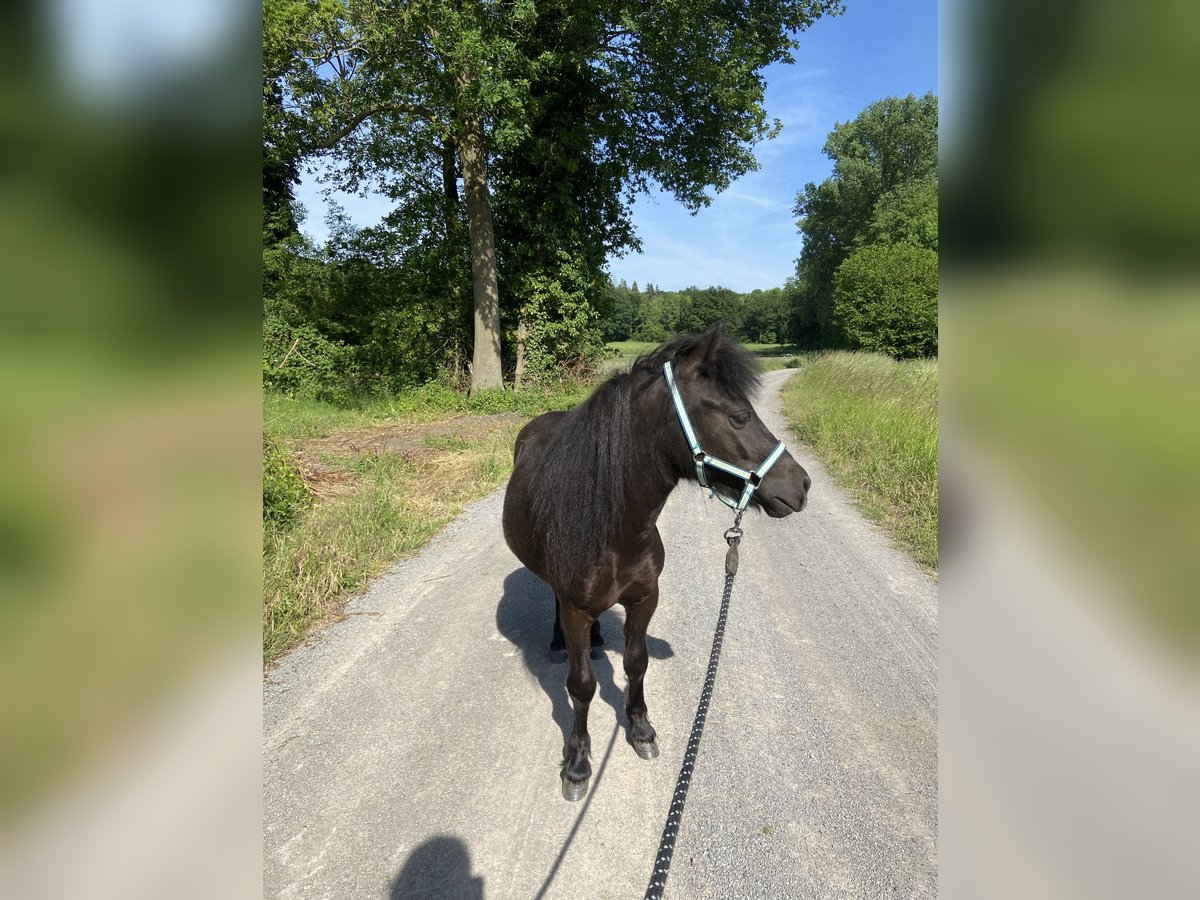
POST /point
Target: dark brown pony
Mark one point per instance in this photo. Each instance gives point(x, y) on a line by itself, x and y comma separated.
point(587, 489)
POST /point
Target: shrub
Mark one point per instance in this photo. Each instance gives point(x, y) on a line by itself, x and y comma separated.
point(284, 493)
point(885, 300)
point(561, 310)
point(301, 362)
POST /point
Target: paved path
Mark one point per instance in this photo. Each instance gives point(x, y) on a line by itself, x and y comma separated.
point(413, 750)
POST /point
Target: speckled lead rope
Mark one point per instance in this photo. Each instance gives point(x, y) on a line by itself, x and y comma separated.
point(666, 846)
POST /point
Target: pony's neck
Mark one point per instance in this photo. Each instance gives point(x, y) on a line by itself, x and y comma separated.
point(655, 468)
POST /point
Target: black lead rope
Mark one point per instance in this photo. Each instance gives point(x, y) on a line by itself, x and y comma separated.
point(666, 846)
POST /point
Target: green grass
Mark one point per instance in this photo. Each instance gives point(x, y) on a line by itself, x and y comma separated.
point(374, 509)
point(394, 506)
point(873, 422)
point(624, 353)
point(290, 420)
point(770, 349)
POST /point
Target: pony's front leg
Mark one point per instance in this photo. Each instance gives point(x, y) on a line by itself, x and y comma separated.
point(581, 685)
point(637, 619)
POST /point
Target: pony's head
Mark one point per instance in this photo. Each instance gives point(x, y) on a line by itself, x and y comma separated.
point(716, 379)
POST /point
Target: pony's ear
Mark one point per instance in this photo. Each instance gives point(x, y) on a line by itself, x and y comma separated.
point(706, 349)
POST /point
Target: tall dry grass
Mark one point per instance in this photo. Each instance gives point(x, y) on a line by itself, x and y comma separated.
point(873, 421)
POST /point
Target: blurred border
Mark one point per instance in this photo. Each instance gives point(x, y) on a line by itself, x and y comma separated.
point(130, 423)
point(129, 455)
point(1070, 621)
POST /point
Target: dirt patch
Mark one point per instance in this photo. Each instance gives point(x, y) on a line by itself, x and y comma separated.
point(410, 440)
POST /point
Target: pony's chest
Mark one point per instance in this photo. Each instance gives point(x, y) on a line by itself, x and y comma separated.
point(627, 578)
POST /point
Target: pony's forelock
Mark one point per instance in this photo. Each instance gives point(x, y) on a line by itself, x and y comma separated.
point(732, 368)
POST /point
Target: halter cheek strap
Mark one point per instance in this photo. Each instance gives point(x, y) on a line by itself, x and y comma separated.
point(751, 480)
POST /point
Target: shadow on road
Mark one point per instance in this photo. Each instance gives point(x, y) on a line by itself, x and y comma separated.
point(525, 616)
point(439, 869)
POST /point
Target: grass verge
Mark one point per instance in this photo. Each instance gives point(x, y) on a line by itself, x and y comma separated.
point(405, 468)
point(290, 420)
point(873, 422)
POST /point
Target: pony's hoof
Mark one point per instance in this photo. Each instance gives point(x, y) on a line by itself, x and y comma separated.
point(646, 749)
point(558, 656)
point(574, 790)
point(596, 653)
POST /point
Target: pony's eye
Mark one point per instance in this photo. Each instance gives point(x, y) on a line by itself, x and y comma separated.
point(740, 418)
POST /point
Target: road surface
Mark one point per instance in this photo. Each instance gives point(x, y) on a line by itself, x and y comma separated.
point(413, 749)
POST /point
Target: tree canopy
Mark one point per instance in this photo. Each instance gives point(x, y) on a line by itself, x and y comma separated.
point(654, 315)
point(552, 116)
point(883, 190)
point(885, 300)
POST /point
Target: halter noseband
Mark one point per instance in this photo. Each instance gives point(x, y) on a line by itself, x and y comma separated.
point(701, 459)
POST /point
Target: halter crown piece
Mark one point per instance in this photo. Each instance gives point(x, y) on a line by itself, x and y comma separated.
point(701, 459)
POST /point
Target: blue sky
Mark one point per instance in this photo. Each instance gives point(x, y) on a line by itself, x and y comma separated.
point(747, 238)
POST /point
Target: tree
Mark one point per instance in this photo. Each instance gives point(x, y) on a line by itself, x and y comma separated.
point(885, 300)
point(765, 316)
point(621, 312)
point(584, 101)
point(705, 308)
point(392, 91)
point(907, 215)
point(883, 187)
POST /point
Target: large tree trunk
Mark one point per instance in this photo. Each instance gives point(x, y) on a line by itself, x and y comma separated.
point(485, 360)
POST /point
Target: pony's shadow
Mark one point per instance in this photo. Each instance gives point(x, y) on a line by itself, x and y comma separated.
point(525, 616)
point(439, 869)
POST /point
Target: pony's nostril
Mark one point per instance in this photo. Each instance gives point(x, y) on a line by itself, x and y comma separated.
point(807, 483)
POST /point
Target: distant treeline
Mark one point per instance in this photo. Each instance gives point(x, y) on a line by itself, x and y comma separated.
point(650, 314)
point(866, 277)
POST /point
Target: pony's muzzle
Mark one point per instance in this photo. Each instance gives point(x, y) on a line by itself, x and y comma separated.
point(785, 490)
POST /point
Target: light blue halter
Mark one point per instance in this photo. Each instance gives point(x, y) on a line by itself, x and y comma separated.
point(701, 459)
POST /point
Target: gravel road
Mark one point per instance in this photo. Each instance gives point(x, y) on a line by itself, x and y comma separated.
point(412, 750)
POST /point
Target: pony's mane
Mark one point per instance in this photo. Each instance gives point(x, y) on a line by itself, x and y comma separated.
point(577, 496)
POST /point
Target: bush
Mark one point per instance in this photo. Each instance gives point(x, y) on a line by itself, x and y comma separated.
point(885, 300)
point(301, 362)
point(561, 309)
point(284, 493)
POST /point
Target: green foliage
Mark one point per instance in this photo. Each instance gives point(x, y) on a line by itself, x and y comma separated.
point(374, 310)
point(885, 300)
point(622, 307)
point(586, 103)
point(883, 190)
point(702, 308)
point(907, 215)
point(284, 493)
point(562, 318)
point(654, 315)
point(765, 315)
point(298, 360)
